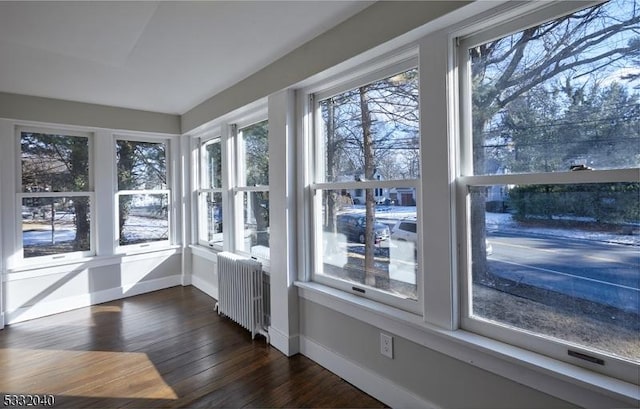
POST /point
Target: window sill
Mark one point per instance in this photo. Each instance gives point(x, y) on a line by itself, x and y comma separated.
point(565, 381)
point(134, 249)
point(29, 270)
point(211, 254)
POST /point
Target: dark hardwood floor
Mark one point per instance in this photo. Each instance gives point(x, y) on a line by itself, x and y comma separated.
point(163, 349)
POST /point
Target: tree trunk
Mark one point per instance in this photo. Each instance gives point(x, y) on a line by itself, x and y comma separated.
point(479, 265)
point(78, 166)
point(329, 197)
point(83, 226)
point(371, 273)
point(262, 217)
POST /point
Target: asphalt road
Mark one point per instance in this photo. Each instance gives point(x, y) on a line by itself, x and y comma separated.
point(601, 272)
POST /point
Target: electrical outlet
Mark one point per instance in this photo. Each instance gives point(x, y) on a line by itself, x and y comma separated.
point(386, 345)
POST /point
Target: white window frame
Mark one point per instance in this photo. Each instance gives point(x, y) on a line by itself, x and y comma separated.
point(20, 195)
point(239, 187)
point(313, 169)
point(465, 180)
point(226, 129)
point(201, 214)
point(153, 245)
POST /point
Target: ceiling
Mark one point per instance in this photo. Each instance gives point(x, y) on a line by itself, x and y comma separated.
point(160, 56)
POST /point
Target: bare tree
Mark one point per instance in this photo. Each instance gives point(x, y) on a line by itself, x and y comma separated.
point(370, 277)
point(506, 69)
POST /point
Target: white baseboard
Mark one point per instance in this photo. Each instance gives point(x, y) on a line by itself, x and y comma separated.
point(45, 308)
point(205, 286)
point(365, 379)
point(288, 345)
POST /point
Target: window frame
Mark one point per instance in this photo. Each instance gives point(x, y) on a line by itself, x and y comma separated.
point(202, 222)
point(226, 129)
point(20, 195)
point(151, 245)
point(238, 184)
point(475, 35)
point(312, 163)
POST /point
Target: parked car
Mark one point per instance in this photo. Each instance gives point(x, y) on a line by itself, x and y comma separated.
point(353, 226)
point(406, 230)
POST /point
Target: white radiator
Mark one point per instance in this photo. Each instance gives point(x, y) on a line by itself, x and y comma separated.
point(241, 292)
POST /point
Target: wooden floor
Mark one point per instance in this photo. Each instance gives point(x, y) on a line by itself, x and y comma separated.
point(164, 349)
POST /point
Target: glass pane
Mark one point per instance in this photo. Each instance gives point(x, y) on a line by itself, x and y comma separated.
point(256, 154)
point(560, 260)
point(52, 226)
point(54, 163)
point(373, 245)
point(143, 218)
point(141, 165)
point(560, 96)
point(212, 165)
point(372, 132)
point(211, 213)
point(256, 224)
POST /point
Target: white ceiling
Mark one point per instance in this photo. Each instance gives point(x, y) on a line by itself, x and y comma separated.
point(158, 56)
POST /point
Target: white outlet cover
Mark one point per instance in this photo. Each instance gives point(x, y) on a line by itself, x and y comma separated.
point(386, 345)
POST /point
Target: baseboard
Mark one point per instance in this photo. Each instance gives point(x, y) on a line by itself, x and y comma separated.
point(365, 379)
point(42, 309)
point(205, 286)
point(288, 345)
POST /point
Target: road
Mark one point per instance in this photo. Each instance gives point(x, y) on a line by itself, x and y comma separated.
point(601, 272)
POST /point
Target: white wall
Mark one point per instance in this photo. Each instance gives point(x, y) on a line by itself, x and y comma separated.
point(204, 273)
point(425, 377)
point(39, 292)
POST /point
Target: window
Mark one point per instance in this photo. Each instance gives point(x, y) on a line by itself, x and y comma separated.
point(143, 194)
point(366, 151)
point(549, 176)
point(210, 194)
point(251, 193)
point(56, 192)
point(233, 184)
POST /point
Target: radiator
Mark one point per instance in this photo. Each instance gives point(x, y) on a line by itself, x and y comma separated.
point(241, 292)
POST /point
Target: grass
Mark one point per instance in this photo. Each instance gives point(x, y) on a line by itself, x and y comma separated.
point(577, 321)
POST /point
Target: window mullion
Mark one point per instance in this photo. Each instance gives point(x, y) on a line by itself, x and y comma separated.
point(228, 132)
point(585, 176)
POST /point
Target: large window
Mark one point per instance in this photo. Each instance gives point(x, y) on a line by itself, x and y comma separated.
point(550, 182)
point(142, 199)
point(56, 192)
point(210, 194)
point(365, 182)
point(233, 186)
point(251, 193)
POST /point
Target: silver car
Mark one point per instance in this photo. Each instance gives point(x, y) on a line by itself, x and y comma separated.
point(406, 230)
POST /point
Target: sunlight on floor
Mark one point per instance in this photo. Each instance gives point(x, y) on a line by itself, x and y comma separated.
point(81, 373)
point(105, 308)
point(78, 318)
